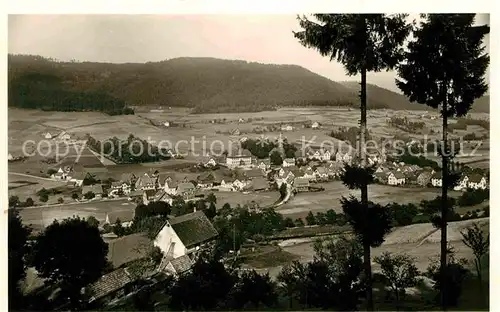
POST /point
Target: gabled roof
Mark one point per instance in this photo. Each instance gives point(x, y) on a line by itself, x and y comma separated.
point(322, 170)
point(150, 193)
point(145, 180)
point(424, 175)
point(181, 264)
point(259, 184)
point(110, 283)
point(193, 228)
point(123, 215)
point(127, 177)
point(236, 153)
point(136, 193)
point(96, 189)
point(162, 177)
point(185, 187)
point(128, 248)
point(475, 178)
point(301, 182)
point(254, 173)
point(398, 175)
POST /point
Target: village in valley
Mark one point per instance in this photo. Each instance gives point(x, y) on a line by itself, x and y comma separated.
point(153, 206)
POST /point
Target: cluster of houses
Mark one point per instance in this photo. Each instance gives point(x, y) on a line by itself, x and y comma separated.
point(180, 240)
point(397, 174)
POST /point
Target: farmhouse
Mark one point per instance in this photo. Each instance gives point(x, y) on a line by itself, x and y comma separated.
point(437, 179)
point(126, 249)
point(253, 173)
point(147, 196)
point(121, 186)
point(177, 266)
point(301, 184)
point(321, 173)
point(424, 178)
point(145, 182)
point(185, 235)
point(186, 190)
point(259, 184)
point(315, 125)
point(128, 178)
point(396, 178)
point(115, 284)
point(126, 217)
point(236, 159)
point(161, 195)
point(477, 182)
point(288, 162)
point(381, 177)
point(96, 189)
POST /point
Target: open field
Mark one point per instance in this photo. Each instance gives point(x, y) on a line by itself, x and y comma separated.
point(302, 203)
point(24, 186)
point(42, 216)
point(30, 124)
point(234, 198)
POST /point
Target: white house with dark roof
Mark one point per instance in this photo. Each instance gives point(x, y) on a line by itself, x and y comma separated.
point(437, 179)
point(396, 178)
point(185, 235)
point(264, 164)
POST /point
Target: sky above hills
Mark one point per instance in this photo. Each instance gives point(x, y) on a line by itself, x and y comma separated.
point(149, 38)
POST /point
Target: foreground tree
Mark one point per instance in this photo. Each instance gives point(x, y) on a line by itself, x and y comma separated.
point(255, 289)
point(70, 254)
point(204, 288)
point(17, 248)
point(362, 43)
point(400, 273)
point(479, 242)
point(445, 67)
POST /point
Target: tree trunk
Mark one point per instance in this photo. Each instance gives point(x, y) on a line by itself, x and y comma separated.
point(444, 206)
point(364, 192)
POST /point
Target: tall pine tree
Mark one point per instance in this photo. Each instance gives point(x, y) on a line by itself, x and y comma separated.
point(362, 43)
point(444, 68)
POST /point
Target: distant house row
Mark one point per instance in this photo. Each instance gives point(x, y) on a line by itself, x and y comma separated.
point(401, 174)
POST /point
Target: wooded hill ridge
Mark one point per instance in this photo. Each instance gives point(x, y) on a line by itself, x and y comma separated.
point(206, 85)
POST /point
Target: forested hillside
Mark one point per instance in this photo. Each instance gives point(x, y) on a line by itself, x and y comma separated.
point(203, 84)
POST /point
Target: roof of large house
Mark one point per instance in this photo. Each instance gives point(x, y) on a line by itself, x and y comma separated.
point(127, 177)
point(398, 175)
point(425, 175)
point(181, 264)
point(254, 173)
point(123, 215)
point(193, 228)
point(110, 283)
point(235, 153)
point(298, 182)
point(96, 189)
point(136, 193)
point(162, 177)
point(475, 178)
point(145, 180)
point(322, 170)
point(128, 248)
point(185, 187)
